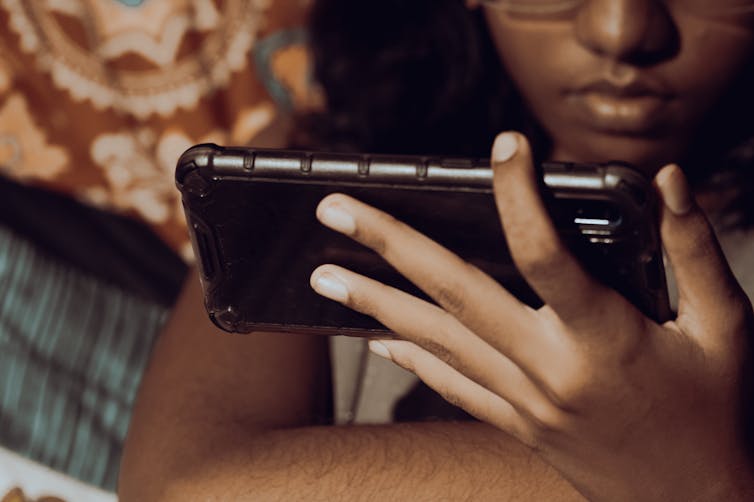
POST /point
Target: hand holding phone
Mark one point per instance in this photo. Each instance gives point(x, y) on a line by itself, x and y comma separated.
point(251, 214)
point(588, 381)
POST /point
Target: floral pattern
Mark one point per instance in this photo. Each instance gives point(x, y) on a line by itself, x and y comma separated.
point(24, 151)
point(98, 99)
point(158, 80)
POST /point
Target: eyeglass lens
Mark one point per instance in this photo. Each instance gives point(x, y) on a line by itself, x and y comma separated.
point(545, 7)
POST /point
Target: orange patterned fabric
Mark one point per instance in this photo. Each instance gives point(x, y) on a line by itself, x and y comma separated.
point(99, 97)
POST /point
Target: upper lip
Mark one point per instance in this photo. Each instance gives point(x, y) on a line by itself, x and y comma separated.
point(633, 88)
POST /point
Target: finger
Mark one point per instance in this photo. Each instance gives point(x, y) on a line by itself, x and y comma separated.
point(471, 296)
point(433, 329)
point(453, 386)
point(536, 248)
point(709, 294)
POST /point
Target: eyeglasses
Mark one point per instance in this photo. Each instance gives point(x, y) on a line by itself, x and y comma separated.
point(544, 8)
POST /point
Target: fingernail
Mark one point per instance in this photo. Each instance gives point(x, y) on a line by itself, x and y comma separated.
point(380, 349)
point(674, 190)
point(331, 287)
point(505, 147)
point(338, 219)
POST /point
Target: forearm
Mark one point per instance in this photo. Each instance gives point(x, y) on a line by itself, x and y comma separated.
point(436, 461)
point(226, 417)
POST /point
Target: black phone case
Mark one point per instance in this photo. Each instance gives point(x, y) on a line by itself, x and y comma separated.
point(251, 216)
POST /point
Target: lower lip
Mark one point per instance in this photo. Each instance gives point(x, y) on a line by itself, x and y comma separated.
point(621, 114)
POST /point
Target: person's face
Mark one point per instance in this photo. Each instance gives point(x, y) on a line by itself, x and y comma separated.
point(622, 79)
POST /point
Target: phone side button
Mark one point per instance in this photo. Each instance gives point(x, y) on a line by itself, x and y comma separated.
point(205, 250)
point(458, 163)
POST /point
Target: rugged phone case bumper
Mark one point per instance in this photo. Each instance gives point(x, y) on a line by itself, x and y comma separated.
point(252, 224)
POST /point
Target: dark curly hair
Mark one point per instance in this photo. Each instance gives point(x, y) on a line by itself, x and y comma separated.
point(423, 77)
point(409, 77)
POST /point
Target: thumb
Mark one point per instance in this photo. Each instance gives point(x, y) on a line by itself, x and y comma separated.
point(709, 295)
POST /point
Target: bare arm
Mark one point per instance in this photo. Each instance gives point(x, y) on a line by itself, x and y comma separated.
point(227, 417)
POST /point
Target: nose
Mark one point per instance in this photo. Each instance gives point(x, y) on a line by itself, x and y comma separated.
point(634, 31)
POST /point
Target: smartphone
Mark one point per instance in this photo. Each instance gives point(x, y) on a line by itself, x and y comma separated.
point(251, 216)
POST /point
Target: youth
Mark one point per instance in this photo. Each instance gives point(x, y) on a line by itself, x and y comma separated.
point(585, 397)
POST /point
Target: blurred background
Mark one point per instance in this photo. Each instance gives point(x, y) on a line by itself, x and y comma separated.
point(98, 98)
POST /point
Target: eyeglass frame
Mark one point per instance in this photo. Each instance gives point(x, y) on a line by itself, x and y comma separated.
point(560, 6)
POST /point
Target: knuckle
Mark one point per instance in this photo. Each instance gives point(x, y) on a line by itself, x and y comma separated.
point(404, 358)
point(364, 303)
point(387, 225)
point(701, 246)
point(567, 396)
point(536, 439)
point(571, 392)
point(439, 351)
point(368, 299)
point(534, 442)
point(450, 296)
point(372, 239)
point(546, 419)
point(698, 240)
point(540, 260)
point(374, 234)
point(451, 293)
point(453, 398)
point(444, 354)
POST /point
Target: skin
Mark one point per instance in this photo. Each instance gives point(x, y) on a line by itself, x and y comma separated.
point(623, 408)
point(689, 58)
point(228, 417)
point(584, 392)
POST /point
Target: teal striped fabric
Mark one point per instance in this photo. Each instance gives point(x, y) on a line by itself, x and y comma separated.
point(72, 352)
